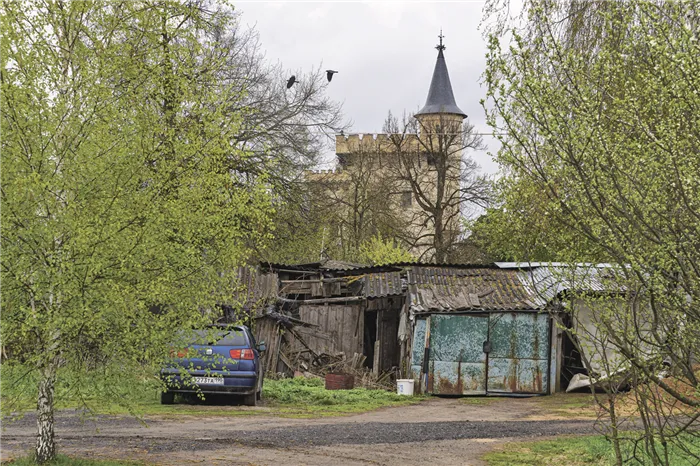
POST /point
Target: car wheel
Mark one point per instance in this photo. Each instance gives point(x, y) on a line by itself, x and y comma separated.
point(250, 400)
point(167, 398)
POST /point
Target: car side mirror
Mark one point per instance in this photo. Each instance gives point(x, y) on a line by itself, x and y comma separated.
point(262, 346)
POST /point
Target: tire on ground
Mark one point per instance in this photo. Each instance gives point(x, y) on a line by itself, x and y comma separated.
point(167, 398)
point(250, 400)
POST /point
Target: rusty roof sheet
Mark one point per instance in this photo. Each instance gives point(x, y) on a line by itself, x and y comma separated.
point(436, 289)
point(378, 285)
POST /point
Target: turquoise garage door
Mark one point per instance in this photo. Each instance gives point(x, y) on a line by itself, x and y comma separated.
point(475, 354)
point(457, 359)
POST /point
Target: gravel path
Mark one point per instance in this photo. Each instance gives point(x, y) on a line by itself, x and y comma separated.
point(376, 432)
point(446, 429)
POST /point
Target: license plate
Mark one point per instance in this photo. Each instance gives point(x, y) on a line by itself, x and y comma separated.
point(208, 380)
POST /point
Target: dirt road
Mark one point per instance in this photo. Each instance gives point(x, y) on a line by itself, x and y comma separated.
point(440, 431)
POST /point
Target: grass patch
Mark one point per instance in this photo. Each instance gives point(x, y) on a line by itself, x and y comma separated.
point(133, 392)
point(579, 451)
point(63, 460)
point(308, 397)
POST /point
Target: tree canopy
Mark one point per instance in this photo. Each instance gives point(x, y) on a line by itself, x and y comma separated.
point(596, 108)
point(128, 197)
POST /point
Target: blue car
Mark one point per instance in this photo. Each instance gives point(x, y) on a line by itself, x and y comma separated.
point(218, 360)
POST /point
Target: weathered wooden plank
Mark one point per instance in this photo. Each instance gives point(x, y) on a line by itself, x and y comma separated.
point(348, 335)
point(341, 324)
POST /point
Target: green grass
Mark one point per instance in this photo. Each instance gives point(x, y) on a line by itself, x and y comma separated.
point(62, 460)
point(132, 391)
point(579, 451)
point(308, 397)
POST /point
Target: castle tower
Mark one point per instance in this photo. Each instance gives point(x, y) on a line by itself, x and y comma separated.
point(413, 181)
point(440, 135)
point(440, 107)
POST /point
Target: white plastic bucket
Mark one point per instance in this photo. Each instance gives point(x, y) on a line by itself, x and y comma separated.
point(404, 387)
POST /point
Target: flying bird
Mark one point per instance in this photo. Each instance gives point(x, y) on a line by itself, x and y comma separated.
point(329, 74)
point(291, 81)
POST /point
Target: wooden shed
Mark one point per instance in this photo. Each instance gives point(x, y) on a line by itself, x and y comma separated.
point(344, 312)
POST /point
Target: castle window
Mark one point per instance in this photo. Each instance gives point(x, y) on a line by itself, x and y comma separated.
point(406, 198)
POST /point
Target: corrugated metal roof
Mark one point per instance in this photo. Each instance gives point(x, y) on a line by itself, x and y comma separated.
point(311, 267)
point(340, 265)
point(442, 265)
point(378, 285)
point(328, 264)
point(434, 289)
point(545, 282)
point(530, 265)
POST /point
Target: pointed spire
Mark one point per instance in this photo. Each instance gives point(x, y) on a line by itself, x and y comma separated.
point(440, 46)
point(440, 96)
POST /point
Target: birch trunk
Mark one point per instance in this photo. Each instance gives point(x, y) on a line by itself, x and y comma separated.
point(45, 440)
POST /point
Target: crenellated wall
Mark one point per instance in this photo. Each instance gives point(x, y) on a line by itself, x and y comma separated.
point(325, 175)
point(373, 142)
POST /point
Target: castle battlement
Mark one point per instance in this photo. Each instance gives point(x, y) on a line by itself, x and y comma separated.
point(372, 142)
point(331, 175)
point(322, 172)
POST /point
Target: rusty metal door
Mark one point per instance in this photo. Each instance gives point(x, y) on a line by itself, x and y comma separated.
point(519, 353)
point(457, 362)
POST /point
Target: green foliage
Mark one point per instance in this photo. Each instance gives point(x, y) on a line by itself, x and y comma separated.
point(126, 203)
point(579, 451)
point(597, 120)
point(378, 251)
point(126, 388)
point(313, 397)
point(520, 231)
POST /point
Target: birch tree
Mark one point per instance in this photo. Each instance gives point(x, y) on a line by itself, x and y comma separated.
point(122, 187)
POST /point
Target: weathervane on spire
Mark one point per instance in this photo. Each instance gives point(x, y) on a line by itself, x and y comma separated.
point(441, 47)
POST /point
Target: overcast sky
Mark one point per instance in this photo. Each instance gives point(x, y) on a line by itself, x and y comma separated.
point(384, 52)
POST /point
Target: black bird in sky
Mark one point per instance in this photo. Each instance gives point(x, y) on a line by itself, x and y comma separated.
point(291, 81)
point(329, 74)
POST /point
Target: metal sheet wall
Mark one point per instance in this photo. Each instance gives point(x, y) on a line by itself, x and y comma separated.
point(515, 359)
point(518, 361)
point(457, 358)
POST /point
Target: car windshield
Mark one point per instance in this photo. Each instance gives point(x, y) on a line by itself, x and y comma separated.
point(219, 337)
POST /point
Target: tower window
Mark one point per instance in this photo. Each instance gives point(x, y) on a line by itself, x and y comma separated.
point(406, 198)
